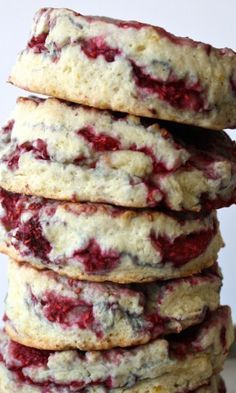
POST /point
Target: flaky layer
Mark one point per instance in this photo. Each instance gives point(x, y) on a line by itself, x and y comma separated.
point(105, 243)
point(128, 67)
point(82, 154)
point(66, 313)
point(192, 357)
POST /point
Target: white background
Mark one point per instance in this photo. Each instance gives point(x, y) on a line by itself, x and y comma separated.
point(212, 21)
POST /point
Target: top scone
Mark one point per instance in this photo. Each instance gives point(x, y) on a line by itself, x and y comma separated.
point(130, 67)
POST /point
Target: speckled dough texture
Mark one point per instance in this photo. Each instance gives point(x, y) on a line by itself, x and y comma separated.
point(9, 383)
point(66, 313)
point(185, 361)
point(129, 67)
point(77, 153)
point(106, 243)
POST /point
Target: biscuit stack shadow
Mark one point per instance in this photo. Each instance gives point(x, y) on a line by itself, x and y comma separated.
point(109, 218)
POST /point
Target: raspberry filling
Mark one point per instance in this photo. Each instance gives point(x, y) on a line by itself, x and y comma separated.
point(23, 356)
point(155, 195)
point(13, 209)
point(183, 248)
point(68, 311)
point(157, 325)
point(179, 93)
point(37, 43)
point(8, 128)
point(30, 234)
point(100, 142)
point(95, 47)
point(96, 260)
point(38, 148)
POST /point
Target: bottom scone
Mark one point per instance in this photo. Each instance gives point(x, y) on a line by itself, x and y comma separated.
point(9, 384)
point(183, 363)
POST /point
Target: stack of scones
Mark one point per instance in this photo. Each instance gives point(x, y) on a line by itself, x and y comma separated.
point(109, 191)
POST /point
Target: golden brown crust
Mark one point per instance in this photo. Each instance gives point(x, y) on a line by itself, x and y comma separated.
point(137, 111)
point(45, 344)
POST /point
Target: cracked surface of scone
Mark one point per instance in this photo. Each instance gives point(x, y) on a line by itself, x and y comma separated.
point(186, 361)
point(105, 243)
point(136, 68)
point(65, 313)
point(76, 153)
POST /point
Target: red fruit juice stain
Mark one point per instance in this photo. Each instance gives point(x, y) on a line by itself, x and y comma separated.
point(95, 260)
point(95, 47)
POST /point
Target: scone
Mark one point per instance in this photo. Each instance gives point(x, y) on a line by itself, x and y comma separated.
point(9, 382)
point(65, 313)
point(53, 149)
point(106, 243)
point(129, 67)
point(184, 361)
